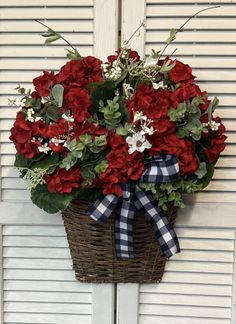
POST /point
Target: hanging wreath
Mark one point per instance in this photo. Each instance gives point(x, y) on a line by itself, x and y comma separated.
point(131, 129)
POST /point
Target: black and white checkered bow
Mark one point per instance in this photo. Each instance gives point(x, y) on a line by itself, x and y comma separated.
point(160, 169)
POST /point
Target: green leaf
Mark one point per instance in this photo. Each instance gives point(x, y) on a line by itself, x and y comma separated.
point(51, 202)
point(57, 94)
point(207, 178)
point(88, 173)
point(51, 39)
point(102, 91)
point(181, 132)
point(101, 167)
point(202, 170)
point(123, 109)
point(167, 66)
point(47, 162)
point(22, 162)
point(75, 145)
point(86, 139)
point(69, 161)
point(176, 114)
point(73, 55)
point(155, 54)
point(172, 36)
point(53, 113)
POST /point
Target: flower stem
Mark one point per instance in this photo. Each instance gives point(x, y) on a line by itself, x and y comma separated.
point(65, 40)
point(180, 29)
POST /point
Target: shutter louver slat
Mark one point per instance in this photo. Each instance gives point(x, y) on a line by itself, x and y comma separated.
point(197, 286)
point(38, 277)
point(23, 57)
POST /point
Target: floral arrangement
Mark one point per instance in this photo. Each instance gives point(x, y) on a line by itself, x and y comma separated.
point(90, 127)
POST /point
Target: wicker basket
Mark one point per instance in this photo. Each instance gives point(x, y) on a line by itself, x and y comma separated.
point(93, 252)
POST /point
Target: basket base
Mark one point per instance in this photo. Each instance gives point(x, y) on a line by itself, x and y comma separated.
point(93, 250)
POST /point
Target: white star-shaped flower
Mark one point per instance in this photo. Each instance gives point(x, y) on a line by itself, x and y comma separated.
point(138, 142)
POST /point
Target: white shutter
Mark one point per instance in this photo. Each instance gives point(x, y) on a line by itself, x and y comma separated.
point(37, 282)
point(199, 285)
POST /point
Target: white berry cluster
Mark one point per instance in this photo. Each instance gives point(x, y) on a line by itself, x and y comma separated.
point(30, 112)
point(112, 72)
point(212, 124)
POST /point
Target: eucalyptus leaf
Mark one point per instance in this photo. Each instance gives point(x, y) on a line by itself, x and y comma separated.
point(53, 113)
point(207, 178)
point(69, 161)
point(202, 170)
point(101, 167)
point(57, 94)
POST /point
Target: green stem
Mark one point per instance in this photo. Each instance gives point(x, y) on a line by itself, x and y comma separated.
point(181, 27)
point(65, 40)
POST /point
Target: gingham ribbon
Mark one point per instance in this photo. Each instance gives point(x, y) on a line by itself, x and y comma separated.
point(160, 169)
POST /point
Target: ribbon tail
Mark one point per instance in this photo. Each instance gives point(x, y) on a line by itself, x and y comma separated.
point(164, 231)
point(124, 231)
point(102, 208)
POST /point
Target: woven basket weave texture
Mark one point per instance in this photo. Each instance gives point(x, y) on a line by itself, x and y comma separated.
point(92, 247)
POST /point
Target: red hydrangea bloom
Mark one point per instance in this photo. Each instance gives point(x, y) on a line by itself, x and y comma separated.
point(216, 147)
point(78, 101)
point(122, 167)
point(22, 134)
point(80, 72)
point(88, 128)
point(184, 93)
point(132, 54)
point(182, 148)
point(63, 181)
point(154, 104)
point(216, 141)
point(181, 72)
point(43, 83)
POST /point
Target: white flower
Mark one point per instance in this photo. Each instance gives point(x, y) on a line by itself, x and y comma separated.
point(57, 141)
point(44, 148)
point(158, 85)
point(68, 118)
point(150, 61)
point(128, 90)
point(138, 115)
point(138, 142)
point(147, 130)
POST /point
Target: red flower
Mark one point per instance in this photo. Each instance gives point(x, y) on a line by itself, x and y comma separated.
point(43, 83)
point(55, 129)
point(80, 72)
point(22, 134)
point(215, 141)
point(185, 92)
point(62, 180)
point(122, 167)
point(182, 148)
point(181, 72)
point(133, 55)
point(154, 104)
point(216, 147)
point(78, 101)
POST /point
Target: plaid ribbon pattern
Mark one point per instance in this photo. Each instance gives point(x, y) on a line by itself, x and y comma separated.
point(160, 169)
